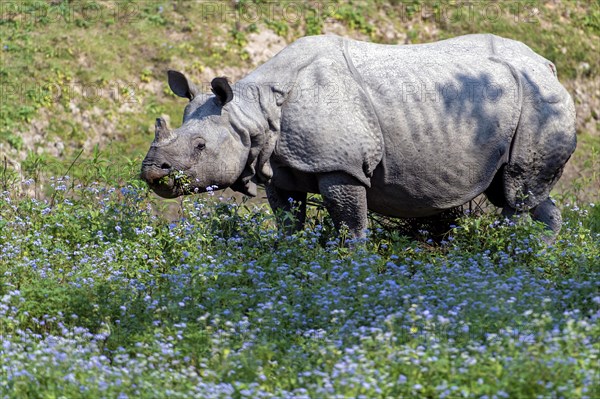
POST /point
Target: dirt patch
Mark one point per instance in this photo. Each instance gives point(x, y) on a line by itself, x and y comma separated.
point(586, 94)
point(263, 45)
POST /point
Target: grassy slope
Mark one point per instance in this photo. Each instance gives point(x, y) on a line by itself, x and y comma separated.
point(83, 73)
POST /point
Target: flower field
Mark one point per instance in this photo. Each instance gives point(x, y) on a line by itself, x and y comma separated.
point(108, 292)
point(101, 298)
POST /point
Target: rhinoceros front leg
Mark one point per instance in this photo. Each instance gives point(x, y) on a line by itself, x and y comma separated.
point(346, 201)
point(287, 203)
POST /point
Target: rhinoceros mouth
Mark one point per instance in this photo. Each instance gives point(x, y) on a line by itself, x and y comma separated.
point(173, 186)
point(168, 184)
point(166, 190)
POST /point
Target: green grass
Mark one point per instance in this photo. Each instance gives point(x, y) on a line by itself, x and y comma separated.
point(103, 57)
point(99, 297)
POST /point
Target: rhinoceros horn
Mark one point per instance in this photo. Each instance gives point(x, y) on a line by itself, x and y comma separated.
point(162, 134)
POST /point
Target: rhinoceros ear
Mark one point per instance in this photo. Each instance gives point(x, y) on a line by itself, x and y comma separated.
point(221, 88)
point(181, 85)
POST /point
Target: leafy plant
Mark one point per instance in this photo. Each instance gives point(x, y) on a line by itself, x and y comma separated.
point(129, 295)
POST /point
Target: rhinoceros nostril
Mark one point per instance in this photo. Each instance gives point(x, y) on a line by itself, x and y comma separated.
point(165, 166)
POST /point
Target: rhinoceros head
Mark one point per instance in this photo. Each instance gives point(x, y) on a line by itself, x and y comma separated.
point(204, 152)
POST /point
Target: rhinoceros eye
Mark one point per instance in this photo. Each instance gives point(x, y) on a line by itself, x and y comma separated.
point(200, 144)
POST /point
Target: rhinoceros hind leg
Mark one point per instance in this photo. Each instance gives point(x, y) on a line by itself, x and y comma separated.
point(346, 201)
point(546, 212)
point(495, 192)
point(285, 203)
point(509, 212)
point(549, 214)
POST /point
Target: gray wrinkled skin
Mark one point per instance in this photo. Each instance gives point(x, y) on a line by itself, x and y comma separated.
point(405, 131)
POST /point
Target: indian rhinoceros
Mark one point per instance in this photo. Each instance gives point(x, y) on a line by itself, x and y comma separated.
point(402, 130)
